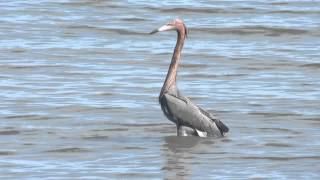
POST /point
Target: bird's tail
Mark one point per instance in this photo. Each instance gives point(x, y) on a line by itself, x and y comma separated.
point(222, 127)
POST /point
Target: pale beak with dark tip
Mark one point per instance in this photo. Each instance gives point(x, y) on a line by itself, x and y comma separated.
point(163, 28)
point(154, 31)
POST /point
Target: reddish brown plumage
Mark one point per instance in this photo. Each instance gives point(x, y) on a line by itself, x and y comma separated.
point(172, 72)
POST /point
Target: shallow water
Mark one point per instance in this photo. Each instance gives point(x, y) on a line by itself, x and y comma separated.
point(80, 80)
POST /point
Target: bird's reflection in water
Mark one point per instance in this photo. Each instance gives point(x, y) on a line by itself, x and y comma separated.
point(180, 156)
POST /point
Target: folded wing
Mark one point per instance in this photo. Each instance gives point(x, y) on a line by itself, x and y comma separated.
point(188, 114)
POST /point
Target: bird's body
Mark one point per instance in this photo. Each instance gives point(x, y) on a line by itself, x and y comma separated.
point(190, 119)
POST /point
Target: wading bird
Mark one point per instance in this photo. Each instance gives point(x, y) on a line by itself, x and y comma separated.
point(190, 119)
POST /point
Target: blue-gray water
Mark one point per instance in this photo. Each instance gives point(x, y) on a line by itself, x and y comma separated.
point(80, 80)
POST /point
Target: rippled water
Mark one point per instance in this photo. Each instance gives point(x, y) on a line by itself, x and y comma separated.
point(80, 80)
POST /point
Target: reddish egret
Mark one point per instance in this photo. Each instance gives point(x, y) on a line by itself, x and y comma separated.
point(190, 119)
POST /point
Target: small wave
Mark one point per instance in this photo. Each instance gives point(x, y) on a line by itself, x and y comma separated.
point(29, 117)
point(96, 137)
point(293, 12)
point(134, 148)
point(193, 10)
point(134, 19)
point(6, 153)
point(68, 150)
point(312, 119)
point(279, 130)
point(124, 32)
point(279, 3)
point(312, 65)
point(18, 50)
point(238, 10)
point(30, 66)
point(252, 30)
point(85, 3)
point(282, 158)
point(209, 10)
point(9, 132)
point(273, 114)
point(113, 129)
point(194, 65)
point(141, 125)
point(105, 30)
point(277, 145)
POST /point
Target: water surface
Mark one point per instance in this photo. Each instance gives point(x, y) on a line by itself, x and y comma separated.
point(80, 80)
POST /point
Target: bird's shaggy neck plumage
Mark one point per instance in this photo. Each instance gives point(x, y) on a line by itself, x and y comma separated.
point(170, 81)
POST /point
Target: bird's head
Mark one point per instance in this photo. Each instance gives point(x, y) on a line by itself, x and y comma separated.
point(176, 24)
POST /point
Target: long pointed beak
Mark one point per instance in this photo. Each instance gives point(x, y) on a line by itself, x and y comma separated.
point(162, 28)
point(154, 31)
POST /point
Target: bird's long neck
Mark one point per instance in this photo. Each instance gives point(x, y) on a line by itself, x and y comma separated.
point(170, 81)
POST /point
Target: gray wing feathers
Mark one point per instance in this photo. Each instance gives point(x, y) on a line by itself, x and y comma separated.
point(188, 114)
point(222, 127)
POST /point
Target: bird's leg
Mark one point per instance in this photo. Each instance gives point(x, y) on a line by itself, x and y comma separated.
point(180, 131)
point(185, 131)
